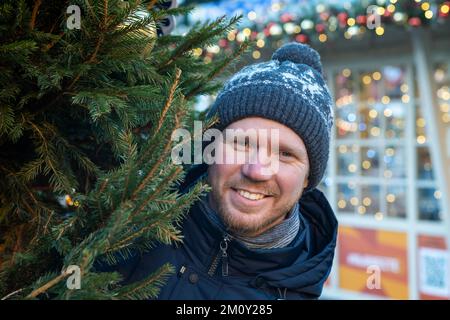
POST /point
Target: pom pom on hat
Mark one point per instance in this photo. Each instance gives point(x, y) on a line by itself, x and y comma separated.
point(299, 53)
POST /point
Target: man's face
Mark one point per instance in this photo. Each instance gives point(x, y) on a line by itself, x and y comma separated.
point(254, 196)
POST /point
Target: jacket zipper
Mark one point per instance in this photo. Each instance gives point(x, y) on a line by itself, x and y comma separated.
point(221, 255)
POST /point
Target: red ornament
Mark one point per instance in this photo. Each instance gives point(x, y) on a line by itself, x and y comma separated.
point(414, 21)
point(361, 20)
point(320, 28)
point(286, 17)
point(302, 38)
point(342, 17)
point(324, 16)
point(223, 43)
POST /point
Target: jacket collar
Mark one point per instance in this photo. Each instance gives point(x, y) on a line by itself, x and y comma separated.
point(302, 266)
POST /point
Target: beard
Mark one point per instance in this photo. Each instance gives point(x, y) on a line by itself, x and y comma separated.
point(253, 223)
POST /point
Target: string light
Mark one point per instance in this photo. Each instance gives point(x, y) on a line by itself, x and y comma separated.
point(379, 31)
point(421, 139)
point(367, 201)
point(379, 216)
point(256, 54)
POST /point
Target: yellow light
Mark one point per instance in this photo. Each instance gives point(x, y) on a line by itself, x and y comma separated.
point(352, 168)
point(354, 201)
point(375, 131)
point(425, 6)
point(366, 164)
point(378, 216)
point(351, 22)
point(367, 202)
point(256, 54)
point(393, 1)
point(446, 118)
point(69, 200)
point(367, 79)
point(323, 37)
point(347, 35)
point(387, 112)
point(390, 152)
point(343, 149)
point(379, 31)
point(381, 11)
point(247, 32)
point(373, 113)
point(429, 14)
point(385, 100)
point(346, 72)
point(376, 75)
point(197, 52)
point(260, 43)
point(240, 37)
point(231, 36)
point(437, 194)
point(445, 107)
point(420, 122)
point(342, 204)
point(405, 98)
point(421, 139)
point(276, 6)
point(417, 1)
point(391, 8)
point(252, 15)
point(297, 29)
point(390, 198)
point(445, 9)
point(361, 210)
point(404, 87)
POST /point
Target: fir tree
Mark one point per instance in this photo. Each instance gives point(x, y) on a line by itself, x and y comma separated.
point(86, 117)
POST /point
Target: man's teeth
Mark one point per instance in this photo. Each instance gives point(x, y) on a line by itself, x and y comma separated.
point(251, 196)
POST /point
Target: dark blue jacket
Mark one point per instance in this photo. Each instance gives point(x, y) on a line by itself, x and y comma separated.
point(211, 266)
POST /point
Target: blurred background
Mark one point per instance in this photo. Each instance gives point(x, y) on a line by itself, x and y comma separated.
point(387, 64)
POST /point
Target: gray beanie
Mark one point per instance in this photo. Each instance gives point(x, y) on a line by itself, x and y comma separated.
point(288, 89)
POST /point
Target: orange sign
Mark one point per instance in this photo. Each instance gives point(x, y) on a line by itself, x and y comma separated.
point(373, 262)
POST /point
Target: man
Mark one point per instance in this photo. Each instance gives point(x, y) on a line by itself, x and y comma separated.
point(264, 231)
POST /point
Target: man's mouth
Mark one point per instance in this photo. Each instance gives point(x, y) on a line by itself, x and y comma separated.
point(250, 195)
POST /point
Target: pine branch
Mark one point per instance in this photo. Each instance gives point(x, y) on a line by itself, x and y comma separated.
point(37, 4)
point(169, 100)
point(48, 285)
point(243, 47)
point(147, 288)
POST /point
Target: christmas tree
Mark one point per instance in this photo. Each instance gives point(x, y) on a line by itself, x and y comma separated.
point(90, 93)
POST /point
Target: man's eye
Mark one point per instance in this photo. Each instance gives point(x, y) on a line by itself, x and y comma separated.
point(241, 144)
point(286, 154)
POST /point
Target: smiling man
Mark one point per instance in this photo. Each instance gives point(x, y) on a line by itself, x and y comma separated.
point(264, 231)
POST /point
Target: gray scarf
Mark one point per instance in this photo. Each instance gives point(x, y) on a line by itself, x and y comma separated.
point(279, 236)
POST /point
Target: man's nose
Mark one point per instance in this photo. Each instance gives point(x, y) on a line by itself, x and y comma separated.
point(259, 167)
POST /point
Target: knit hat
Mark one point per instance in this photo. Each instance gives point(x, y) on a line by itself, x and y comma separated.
point(288, 89)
